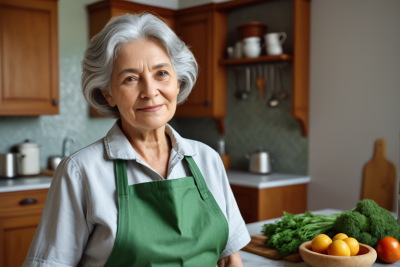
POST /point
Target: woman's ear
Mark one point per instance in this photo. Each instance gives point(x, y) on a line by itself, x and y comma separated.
point(108, 97)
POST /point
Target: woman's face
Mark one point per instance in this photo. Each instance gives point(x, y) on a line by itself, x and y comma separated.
point(144, 85)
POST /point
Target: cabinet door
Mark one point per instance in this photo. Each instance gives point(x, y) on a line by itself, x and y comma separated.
point(195, 31)
point(28, 57)
point(16, 234)
point(20, 214)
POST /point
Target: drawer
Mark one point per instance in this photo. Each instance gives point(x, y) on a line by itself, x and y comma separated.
point(13, 203)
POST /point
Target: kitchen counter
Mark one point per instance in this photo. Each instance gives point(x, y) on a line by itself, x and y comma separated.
point(262, 181)
point(23, 184)
point(247, 179)
point(253, 260)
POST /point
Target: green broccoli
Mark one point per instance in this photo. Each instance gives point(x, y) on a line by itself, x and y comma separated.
point(367, 223)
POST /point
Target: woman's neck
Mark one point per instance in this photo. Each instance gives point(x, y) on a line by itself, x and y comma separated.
point(147, 143)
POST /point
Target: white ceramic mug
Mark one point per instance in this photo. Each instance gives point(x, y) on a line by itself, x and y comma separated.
point(274, 42)
point(251, 47)
point(238, 50)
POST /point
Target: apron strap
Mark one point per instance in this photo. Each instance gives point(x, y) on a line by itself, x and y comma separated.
point(201, 184)
point(121, 177)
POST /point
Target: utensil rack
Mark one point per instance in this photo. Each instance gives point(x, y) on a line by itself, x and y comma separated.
point(238, 61)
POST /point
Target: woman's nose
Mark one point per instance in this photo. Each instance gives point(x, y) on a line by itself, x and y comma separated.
point(148, 88)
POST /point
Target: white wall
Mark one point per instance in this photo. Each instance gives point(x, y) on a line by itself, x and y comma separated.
point(354, 95)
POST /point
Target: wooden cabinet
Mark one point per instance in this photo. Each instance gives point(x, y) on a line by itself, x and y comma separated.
point(204, 30)
point(28, 57)
point(263, 204)
point(20, 214)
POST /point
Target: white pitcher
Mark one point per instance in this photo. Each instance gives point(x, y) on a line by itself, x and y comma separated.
point(274, 42)
point(251, 47)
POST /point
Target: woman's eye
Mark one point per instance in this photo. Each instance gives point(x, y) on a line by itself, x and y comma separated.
point(130, 79)
point(162, 73)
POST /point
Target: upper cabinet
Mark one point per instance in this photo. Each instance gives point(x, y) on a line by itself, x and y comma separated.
point(204, 29)
point(28, 57)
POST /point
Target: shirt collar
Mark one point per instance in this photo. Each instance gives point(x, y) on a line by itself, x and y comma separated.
point(118, 146)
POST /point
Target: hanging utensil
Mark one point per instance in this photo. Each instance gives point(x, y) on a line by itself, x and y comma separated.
point(282, 94)
point(240, 94)
point(260, 81)
point(265, 74)
point(248, 81)
point(273, 101)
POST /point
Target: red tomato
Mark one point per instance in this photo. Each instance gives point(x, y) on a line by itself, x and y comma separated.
point(388, 249)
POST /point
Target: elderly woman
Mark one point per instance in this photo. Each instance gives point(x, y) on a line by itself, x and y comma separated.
point(142, 195)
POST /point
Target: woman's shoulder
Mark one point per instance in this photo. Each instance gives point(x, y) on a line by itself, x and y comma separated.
point(92, 154)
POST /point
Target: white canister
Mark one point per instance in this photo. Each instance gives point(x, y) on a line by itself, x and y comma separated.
point(251, 47)
point(30, 162)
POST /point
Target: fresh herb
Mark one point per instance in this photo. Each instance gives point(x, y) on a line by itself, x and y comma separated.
point(289, 233)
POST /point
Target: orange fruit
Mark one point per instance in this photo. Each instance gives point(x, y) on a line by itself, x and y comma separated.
point(339, 248)
point(320, 243)
point(353, 245)
point(339, 236)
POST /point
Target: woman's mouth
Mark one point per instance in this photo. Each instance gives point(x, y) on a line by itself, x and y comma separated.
point(151, 108)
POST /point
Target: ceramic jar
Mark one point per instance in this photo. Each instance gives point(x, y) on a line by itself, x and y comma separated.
point(30, 162)
point(252, 47)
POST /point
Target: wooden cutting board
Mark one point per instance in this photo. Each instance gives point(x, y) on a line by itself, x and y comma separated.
point(257, 246)
point(379, 178)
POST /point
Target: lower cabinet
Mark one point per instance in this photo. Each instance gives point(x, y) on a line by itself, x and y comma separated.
point(263, 204)
point(20, 214)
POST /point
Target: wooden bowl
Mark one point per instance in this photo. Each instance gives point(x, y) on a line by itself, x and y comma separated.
point(365, 257)
point(252, 29)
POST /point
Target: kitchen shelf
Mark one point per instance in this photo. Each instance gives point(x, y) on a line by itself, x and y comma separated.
point(237, 61)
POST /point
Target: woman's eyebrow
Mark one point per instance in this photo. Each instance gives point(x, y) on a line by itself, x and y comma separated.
point(131, 70)
point(159, 66)
point(128, 70)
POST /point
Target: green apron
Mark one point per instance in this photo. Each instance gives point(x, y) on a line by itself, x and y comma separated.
point(167, 223)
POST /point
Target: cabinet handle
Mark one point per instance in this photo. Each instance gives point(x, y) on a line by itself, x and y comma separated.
point(55, 102)
point(207, 103)
point(27, 201)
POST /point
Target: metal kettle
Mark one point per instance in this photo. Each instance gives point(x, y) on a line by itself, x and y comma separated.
point(260, 161)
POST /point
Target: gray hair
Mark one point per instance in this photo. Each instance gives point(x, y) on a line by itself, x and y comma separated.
point(104, 48)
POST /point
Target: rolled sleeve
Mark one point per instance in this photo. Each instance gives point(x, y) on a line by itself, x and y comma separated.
point(238, 233)
point(63, 230)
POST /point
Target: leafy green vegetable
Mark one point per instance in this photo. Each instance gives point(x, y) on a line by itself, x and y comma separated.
point(367, 223)
point(289, 233)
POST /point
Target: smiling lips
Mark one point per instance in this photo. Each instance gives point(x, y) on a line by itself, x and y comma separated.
point(151, 108)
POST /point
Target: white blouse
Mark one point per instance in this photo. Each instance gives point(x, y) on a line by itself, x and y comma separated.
point(78, 226)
